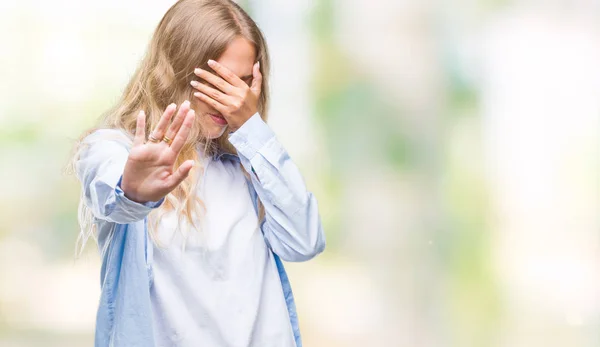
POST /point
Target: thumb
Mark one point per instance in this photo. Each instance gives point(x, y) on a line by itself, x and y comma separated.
point(180, 174)
point(256, 79)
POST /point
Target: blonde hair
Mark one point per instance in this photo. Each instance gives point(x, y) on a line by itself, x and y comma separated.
point(189, 34)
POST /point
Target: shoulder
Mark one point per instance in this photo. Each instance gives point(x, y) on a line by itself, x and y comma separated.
point(105, 134)
point(103, 143)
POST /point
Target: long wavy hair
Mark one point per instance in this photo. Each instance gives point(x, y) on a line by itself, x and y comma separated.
point(189, 34)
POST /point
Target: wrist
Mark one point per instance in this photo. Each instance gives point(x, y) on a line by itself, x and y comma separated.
point(129, 192)
point(251, 137)
point(233, 127)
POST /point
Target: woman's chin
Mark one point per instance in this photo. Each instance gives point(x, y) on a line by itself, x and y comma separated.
point(212, 130)
point(216, 131)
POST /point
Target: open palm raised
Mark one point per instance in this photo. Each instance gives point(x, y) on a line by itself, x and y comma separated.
point(149, 173)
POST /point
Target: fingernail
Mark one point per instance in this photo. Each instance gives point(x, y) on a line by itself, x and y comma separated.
point(211, 62)
point(197, 71)
point(194, 83)
point(173, 105)
point(186, 103)
point(258, 63)
point(197, 94)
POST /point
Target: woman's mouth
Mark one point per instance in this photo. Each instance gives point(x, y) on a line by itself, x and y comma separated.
point(217, 118)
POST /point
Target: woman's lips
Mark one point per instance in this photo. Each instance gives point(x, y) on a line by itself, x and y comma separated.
point(218, 119)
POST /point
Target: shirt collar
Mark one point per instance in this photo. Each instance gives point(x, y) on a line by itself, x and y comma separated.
point(226, 156)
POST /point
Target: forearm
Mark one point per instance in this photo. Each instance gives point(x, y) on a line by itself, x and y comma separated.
point(100, 168)
point(292, 223)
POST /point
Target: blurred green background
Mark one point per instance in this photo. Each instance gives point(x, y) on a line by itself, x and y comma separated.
point(453, 147)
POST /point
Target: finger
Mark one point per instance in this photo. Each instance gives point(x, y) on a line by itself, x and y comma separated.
point(211, 92)
point(140, 129)
point(256, 79)
point(159, 131)
point(178, 120)
point(216, 81)
point(212, 102)
point(180, 174)
point(183, 132)
point(224, 72)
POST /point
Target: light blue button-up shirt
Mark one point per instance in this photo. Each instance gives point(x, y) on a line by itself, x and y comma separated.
point(292, 227)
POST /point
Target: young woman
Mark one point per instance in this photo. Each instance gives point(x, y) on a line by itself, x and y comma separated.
point(194, 257)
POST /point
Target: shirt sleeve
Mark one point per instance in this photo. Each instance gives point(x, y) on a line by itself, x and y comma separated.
point(99, 167)
point(292, 225)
